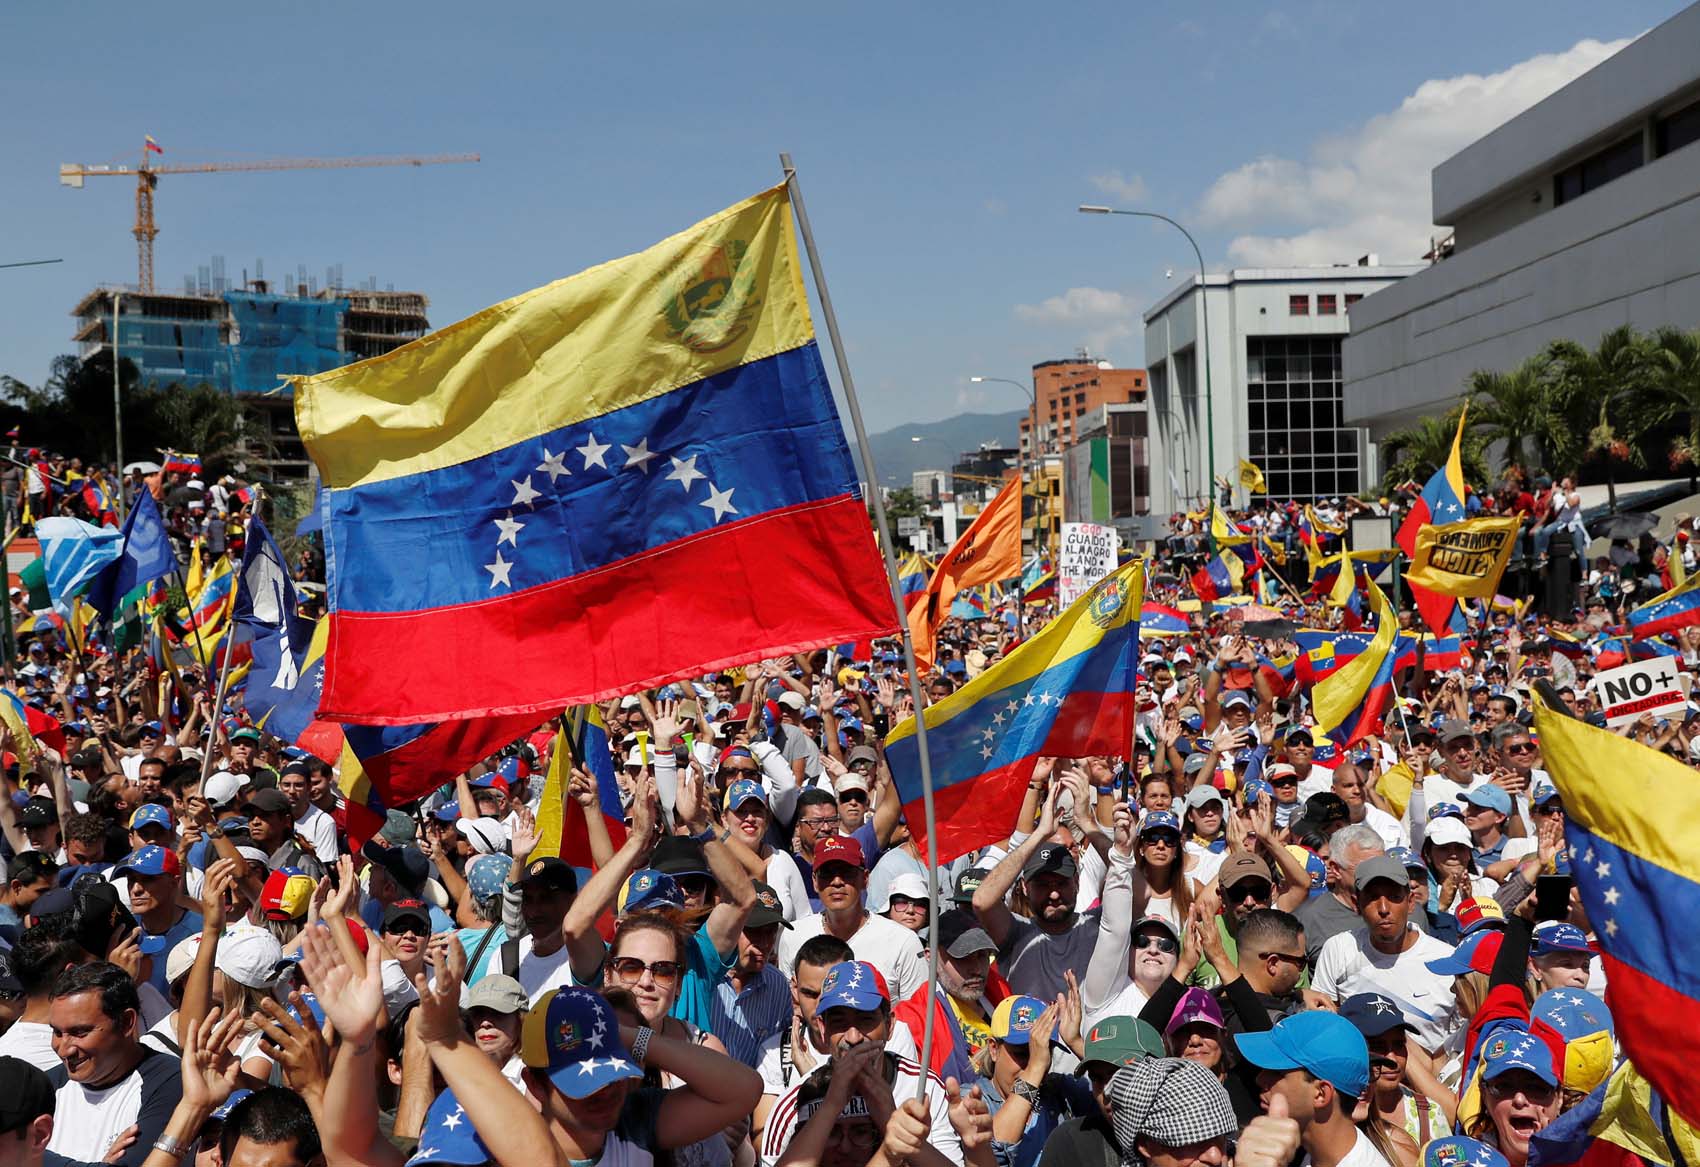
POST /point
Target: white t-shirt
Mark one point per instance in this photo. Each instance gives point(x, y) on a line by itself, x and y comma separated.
point(85, 1121)
point(891, 948)
point(1349, 964)
point(1362, 1154)
point(787, 883)
point(773, 1059)
point(30, 1041)
point(319, 829)
point(538, 974)
point(787, 1116)
point(1127, 1002)
point(1392, 832)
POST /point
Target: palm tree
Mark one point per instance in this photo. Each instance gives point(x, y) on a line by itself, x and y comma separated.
point(1596, 392)
point(1414, 454)
point(1515, 408)
point(1674, 391)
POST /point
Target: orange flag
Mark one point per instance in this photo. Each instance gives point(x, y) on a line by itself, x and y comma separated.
point(988, 551)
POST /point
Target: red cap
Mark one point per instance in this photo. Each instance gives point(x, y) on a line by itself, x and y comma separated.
point(839, 849)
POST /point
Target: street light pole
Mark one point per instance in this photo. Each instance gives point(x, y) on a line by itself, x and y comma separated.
point(1204, 299)
point(1021, 477)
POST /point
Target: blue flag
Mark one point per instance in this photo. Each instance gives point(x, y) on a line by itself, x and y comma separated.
point(266, 604)
point(146, 555)
point(74, 552)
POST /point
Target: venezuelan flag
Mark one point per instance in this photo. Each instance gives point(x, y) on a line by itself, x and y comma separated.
point(403, 762)
point(366, 809)
point(1676, 609)
point(1441, 652)
point(969, 605)
point(211, 604)
point(1567, 644)
point(1442, 499)
point(284, 698)
point(1631, 815)
point(1066, 692)
point(1042, 589)
point(176, 463)
point(1623, 1122)
point(1351, 702)
point(912, 578)
point(1161, 620)
point(522, 507)
point(560, 830)
point(1221, 576)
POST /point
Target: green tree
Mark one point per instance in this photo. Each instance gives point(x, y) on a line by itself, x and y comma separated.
point(1674, 391)
point(903, 503)
point(1596, 393)
point(200, 420)
point(1414, 454)
point(1515, 408)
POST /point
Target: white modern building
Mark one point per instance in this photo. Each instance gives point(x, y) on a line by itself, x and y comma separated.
point(1579, 215)
point(1274, 344)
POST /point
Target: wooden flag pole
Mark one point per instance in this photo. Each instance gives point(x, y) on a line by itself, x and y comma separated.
point(795, 191)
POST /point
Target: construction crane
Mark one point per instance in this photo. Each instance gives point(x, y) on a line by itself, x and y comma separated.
point(148, 172)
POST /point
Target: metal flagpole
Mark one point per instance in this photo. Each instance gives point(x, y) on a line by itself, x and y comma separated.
point(887, 548)
point(223, 676)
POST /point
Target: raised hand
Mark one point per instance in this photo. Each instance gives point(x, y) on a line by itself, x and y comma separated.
point(581, 788)
point(665, 727)
point(352, 997)
point(295, 1043)
point(1039, 1039)
point(906, 1133)
point(209, 1070)
point(970, 1116)
point(221, 876)
point(439, 1006)
point(1124, 826)
point(524, 836)
point(1069, 1011)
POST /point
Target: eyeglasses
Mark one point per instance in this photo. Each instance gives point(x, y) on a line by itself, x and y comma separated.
point(407, 928)
point(821, 823)
point(1247, 889)
point(1520, 748)
point(630, 970)
point(1160, 943)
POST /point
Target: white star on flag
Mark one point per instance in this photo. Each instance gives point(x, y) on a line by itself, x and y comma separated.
point(452, 1120)
point(639, 455)
point(524, 492)
point(594, 452)
point(509, 530)
point(499, 570)
point(1029, 699)
point(1012, 706)
point(988, 733)
point(685, 472)
point(997, 719)
point(1602, 870)
point(1611, 927)
point(986, 752)
point(554, 465)
point(1611, 897)
point(720, 501)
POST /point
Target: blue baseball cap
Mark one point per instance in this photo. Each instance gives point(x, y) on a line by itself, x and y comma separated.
point(1517, 1049)
point(1445, 809)
point(153, 727)
point(150, 814)
point(486, 874)
point(1459, 1151)
point(148, 861)
point(1572, 1013)
point(1325, 1044)
point(447, 813)
point(1235, 697)
point(1373, 1013)
point(1408, 858)
point(448, 1136)
point(1160, 820)
point(649, 889)
point(509, 768)
point(573, 1035)
point(1558, 936)
point(1193, 722)
point(1491, 796)
point(223, 1112)
point(745, 790)
point(1012, 1020)
point(853, 984)
point(1544, 793)
point(1254, 789)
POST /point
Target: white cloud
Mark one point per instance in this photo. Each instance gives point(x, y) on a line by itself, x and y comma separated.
point(1120, 187)
point(1368, 190)
point(1095, 317)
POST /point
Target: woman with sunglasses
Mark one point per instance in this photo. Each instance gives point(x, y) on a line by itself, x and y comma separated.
point(1131, 960)
point(745, 819)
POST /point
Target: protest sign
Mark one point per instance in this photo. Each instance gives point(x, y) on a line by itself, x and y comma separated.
point(1648, 686)
point(1088, 554)
point(1463, 559)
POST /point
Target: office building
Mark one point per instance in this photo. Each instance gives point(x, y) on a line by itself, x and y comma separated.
point(1107, 471)
point(1065, 391)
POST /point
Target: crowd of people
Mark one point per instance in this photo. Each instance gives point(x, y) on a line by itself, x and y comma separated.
point(1238, 943)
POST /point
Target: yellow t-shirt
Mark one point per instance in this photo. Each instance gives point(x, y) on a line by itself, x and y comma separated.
point(976, 1026)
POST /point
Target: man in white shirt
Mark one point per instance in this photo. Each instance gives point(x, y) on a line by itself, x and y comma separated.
point(840, 878)
point(37, 960)
point(1318, 1063)
point(1389, 956)
point(311, 823)
point(1349, 783)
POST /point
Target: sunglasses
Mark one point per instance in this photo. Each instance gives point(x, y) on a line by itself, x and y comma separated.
point(1160, 943)
point(1247, 889)
point(740, 771)
point(853, 796)
point(407, 928)
point(1161, 839)
point(1520, 748)
point(630, 970)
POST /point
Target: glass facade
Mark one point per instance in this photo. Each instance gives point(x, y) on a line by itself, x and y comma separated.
point(1293, 408)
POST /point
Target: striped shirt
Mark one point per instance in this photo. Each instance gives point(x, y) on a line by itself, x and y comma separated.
point(744, 1020)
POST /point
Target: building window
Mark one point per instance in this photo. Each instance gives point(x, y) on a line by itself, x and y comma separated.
point(1676, 130)
point(1080, 399)
point(1293, 407)
point(1325, 304)
point(1352, 298)
point(1591, 173)
point(1298, 305)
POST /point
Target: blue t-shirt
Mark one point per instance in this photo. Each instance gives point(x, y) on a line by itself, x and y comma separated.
point(189, 925)
point(705, 968)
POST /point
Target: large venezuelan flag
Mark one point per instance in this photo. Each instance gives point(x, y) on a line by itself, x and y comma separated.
point(1066, 692)
point(1631, 815)
point(1675, 609)
point(630, 475)
point(1162, 620)
point(1442, 499)
point(1351, 701)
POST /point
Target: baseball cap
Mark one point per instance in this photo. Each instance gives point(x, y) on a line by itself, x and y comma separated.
point(550, 872)
point(149, 861)
point(1490, 796)
point(1446, 829)
point(1050, 859)
point(399, 828)
point(150, 814)
point(1453, 729)
point(1478, 912)
point(407, 864)
point(907, 883)
point(1475, 953)
point(1196, 763)
point(960, 934)
point(1408, 857)
point(25, 1094)
point(1122, 1041)
point(1544, 793)
point(676, 855)
point(408, 909)
point(267, 801)
point(447, 813)
point(1373, 1013)
point(487, 836)
point(1160, 820)
point(629, 702)
point(246, 734)
point(1557, 936)
point(838, 849)
point(221, 788)
point(745, 790)
point(854, 984)
point(1299, 735)
point(1459, 1151)
point(1200, 796)
point(1254, 789)
point(1517, 1050)
point(649, 890)
point(767, 910)
point(1195, 1005)
point(181, 958)
point(1380, 867)
point(967, 884)
point(851, 780)
point(862, 754)
point(249, 956)
point(1012, 1020)
point(1582, 1027)
point(1325, 1044)
point(287, 893)
point(447, 1136)
point(485, 875)
point(574, 1036)
point(38, 812)
point(1325, 806)
point(1241, 866)
point(792, 700)
point(499, 993)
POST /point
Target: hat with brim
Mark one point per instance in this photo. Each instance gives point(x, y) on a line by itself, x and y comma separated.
point(1323, 1043)
point(767, 910)
point(1121, 1041)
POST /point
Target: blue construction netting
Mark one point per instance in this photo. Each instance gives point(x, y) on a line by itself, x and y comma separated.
point(182, 351)
point(273, 336)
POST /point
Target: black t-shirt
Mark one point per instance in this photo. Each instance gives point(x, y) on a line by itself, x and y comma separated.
point(1082, 1142)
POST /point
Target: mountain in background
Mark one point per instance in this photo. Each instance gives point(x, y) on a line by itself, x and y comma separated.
point(899, 458)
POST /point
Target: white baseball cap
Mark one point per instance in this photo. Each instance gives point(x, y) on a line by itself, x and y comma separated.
point(222, 787)
point(181, 958)
point(249, 956)
point(1447, 829)
point(907, 884)
point(487, 835)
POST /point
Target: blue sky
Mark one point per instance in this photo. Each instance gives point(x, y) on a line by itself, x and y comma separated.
point(942, 147)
